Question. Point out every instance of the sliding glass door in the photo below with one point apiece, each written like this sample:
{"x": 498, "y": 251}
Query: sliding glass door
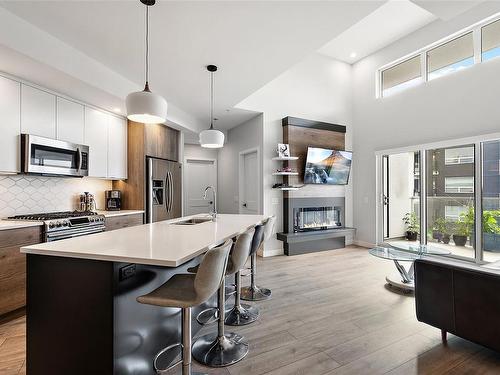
{"x": 450, "y": 199}
{"x": 491, "y": 201}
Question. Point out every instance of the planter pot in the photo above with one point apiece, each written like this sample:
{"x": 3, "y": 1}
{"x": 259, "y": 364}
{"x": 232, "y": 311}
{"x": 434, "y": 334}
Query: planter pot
{"x": 491, "y": 242}
{"x": 437, "y": 235}
{"x": 446, "y": 239}
{"x": 459, "y": 240}
{"x": 411, "y": 236}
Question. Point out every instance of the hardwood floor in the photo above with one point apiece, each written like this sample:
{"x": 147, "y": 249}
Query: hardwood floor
{"x": 330, "y": 314}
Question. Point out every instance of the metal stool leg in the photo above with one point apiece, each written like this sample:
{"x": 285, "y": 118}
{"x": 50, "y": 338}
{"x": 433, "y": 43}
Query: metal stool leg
{"x": 185, "y": 346}
{"x": 253, "y": 292}
{"x": 241, "y": 315}
{"x": 220, "y": 349}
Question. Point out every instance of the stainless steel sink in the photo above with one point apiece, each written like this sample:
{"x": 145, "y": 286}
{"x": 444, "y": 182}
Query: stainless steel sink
{"x": 193, "y": 221}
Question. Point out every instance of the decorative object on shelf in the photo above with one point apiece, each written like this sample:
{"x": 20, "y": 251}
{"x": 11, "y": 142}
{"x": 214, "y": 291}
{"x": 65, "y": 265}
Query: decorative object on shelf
{"x": 212, "y": 138}
{"x": 283, "y": 150}
{"x": 145, "y": 106}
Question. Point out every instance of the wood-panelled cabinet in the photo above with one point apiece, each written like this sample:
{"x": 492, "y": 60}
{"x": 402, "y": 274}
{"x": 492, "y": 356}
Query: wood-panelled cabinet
{"x": 10, "y": 120}
{"x": 161, "y": 142}
{"x": 123, "y": 221}
{"x": 13, "y": 266}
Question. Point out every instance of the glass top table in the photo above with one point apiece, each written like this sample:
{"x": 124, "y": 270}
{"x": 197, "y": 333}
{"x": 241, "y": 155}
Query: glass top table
{"x": 402, "y": 252}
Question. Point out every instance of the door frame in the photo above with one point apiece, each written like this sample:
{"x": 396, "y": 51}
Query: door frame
{"x": 241, "y": 174}
{"x": 185, "y": 183}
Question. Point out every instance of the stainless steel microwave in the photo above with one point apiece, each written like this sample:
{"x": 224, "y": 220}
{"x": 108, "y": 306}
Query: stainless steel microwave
{"x": 48, "y": 156}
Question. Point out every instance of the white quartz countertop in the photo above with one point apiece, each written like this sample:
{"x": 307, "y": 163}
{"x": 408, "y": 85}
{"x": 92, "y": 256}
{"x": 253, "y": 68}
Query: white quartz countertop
{"x": 16, "y": 224}
{"x": 163, "y": 243}
{"x": 119, "y": 213}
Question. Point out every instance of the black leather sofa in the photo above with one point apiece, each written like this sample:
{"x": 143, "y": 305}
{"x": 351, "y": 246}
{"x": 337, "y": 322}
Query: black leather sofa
{"x": 460, "y": 298}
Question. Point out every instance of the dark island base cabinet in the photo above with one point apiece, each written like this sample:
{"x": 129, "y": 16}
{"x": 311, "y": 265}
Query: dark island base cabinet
{"x": 13, "y": 266}
{"x": 83, "y": 317}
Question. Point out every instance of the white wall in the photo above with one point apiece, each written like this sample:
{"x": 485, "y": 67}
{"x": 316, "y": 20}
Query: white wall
{"x": 318, "y": 88}
{"x": 246, "y": 136}
{"x": 198, "y": 152}
{"x": 458, "y": 105}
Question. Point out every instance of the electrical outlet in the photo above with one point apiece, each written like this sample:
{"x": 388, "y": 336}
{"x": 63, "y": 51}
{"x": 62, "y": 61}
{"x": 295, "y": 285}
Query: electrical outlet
{"x": 127, "y": 272}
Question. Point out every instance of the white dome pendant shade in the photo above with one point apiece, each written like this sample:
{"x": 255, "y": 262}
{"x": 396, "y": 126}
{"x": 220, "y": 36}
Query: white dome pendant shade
{"x": 145, "y": 106}
{"x": 212, "y": 138}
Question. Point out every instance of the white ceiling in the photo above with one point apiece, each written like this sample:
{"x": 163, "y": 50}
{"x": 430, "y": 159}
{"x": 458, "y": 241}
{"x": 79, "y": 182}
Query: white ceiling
{"x": 388, "y": 23}
{"x": 251, "y": 42}
{"x": 101, "y": 43}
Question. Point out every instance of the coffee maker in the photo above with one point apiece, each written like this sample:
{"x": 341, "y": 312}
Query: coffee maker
{"x": 113, "y": 200}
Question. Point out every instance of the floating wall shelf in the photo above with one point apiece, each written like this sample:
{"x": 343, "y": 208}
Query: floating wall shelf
{"x": 285, "y": 158}
{"x": 285, "y": 174}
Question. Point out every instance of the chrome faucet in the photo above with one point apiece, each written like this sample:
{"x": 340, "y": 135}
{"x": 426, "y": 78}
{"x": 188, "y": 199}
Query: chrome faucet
{"x": 214, "y": 212}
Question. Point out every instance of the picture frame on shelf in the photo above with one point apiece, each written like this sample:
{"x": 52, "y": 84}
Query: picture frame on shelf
{"x": 283, "y": 150}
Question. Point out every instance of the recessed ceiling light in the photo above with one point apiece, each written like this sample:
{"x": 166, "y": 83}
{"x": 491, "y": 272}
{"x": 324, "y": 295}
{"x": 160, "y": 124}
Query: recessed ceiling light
{"x": 353, "y": 55}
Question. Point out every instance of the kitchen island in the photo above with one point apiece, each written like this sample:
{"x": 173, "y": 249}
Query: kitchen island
{"x": 82, "y": 314}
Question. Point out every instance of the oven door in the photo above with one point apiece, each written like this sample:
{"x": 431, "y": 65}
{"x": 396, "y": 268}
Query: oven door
{"x": 52, "y": 157}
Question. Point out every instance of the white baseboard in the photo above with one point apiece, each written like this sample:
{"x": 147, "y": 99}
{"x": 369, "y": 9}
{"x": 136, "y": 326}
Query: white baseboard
{"x": 271, "y": 253}
{"x": 364, "y": 244}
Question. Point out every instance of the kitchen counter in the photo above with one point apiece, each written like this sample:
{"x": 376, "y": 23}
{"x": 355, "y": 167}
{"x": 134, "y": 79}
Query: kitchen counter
{"x": 119, "y": 213}
{"x": 86, "y": 289}
{"x": 162, "y": 244}
{"x": 16, "y": 224}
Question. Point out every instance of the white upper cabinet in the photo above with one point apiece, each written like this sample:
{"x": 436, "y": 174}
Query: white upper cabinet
{"x": 96, "y": 137}
{"x": 70, "y": 121}
{"x": 38, "y": 112}
{"x": 117, "y": 147}
{"x": 10, "y": 123}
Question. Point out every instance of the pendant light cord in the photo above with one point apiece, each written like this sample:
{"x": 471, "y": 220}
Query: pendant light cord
{"x": 147, "y": 49}
{"x": 211, "y": 100}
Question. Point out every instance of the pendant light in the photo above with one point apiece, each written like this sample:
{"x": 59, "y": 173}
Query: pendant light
{"x": 212, "y": 138}
{"x": 145, "y": 106}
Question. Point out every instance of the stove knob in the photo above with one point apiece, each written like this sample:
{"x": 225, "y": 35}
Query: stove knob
{"x": 51, "y": 225}
{"x": 58, "y": 224}
{"x": 65, "y": 223}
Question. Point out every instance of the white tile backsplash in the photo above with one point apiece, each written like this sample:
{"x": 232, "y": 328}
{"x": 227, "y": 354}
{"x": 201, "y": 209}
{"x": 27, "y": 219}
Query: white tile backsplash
{"x": 21, "y": 195}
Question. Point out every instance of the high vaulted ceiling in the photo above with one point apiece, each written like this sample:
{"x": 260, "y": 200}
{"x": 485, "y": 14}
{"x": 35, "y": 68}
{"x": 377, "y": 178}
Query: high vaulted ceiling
{"x": 101, "y": 43}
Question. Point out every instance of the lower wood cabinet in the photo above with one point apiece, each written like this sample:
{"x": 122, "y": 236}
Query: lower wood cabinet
{"x": 123, "y": 221}
{"x": 13, "y": 266}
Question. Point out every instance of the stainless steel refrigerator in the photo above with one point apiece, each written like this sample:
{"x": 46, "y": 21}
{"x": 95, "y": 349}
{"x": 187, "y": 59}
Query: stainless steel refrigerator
{"x": 164, "y": 190}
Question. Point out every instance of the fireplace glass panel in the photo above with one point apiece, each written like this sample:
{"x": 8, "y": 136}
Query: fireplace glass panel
{"x": 316, "y": 218}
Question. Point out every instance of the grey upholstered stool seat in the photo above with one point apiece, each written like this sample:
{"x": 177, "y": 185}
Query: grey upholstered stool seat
{"x": 254, "y": 292}
{"x": 220, "y": 349}
{"x": 186, "y": 291}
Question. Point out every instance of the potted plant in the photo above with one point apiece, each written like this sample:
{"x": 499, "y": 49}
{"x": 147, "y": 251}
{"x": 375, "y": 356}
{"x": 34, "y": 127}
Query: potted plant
{"x": 491, "y": 230}
{"x": 412, "y": 226}
{"x": 438, "y": 229}
{"x": 463, "y": 227}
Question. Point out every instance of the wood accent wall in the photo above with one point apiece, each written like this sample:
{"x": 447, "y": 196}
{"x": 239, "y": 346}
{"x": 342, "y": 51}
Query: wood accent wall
{"x": 309, "y": 134}
{"x": 154, "y": 140}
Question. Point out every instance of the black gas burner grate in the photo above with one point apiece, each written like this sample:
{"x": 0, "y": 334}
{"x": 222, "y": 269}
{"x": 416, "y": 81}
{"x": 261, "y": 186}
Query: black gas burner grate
{"x": 53, "y": 215}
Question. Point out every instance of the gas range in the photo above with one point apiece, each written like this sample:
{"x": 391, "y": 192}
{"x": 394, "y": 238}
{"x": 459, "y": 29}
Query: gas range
{"x": 66, "y": 224}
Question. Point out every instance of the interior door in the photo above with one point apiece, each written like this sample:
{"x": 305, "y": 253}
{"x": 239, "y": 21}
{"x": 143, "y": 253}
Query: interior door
{"x": 385, "y": 192}
{"x": 199, "y": 173}
{"x": 250, "y": 184}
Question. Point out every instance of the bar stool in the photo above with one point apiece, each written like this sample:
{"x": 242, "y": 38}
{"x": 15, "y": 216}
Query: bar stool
{"x": 222, "y": 348}
{"x": 254, "y": 292}
{"x": 241, "y": 314}
{"x": 185, "y": 291}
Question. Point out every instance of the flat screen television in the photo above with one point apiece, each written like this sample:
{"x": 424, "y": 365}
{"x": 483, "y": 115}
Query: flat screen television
{"x": 330, "y": 167}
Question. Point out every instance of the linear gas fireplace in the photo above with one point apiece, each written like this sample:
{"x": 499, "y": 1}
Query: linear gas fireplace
{"x": 316, "y": 218}
{"x": 313, "y": 224}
